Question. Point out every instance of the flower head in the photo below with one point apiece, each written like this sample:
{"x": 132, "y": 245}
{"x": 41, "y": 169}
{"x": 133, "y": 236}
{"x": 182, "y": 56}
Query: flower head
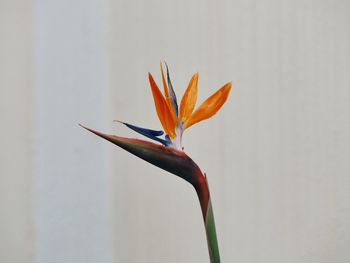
{"x": 175, "y": 120}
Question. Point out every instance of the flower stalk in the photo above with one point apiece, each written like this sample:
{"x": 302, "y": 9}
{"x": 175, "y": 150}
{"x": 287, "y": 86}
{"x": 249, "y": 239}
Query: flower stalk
{"x": 202, "y": 189}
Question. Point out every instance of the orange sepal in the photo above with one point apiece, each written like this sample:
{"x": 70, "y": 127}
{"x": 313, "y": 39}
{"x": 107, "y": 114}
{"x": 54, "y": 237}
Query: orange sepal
{"x": 189, "y": 99}
{"x": 166, "y": 90}
{"x": 166, "y": 93}
{"x": 210, "y": 106}
{"x": 164, "y": 114}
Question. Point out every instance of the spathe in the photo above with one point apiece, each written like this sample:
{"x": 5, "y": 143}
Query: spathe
{"x": 166, "y": 158}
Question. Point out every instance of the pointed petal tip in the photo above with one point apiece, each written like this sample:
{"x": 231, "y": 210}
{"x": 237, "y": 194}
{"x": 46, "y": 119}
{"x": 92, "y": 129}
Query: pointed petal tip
{"x": 84, "y": 127}
{"x": 166, "y": 65}
{"x": 195, "y": 76}
{"x": 119, "y": 121}
{"x": 150, "y": 75}
{"x": 93, "y": 131}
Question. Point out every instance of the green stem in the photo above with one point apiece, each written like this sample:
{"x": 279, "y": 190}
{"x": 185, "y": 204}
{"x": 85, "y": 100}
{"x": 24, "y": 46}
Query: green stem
{"x": 203, "y": 193}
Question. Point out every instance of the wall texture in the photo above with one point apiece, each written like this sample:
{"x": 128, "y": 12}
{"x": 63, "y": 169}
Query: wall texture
{"x": 72, "y": 170}
{"x": 17, "y": 147}
{"x": 277, "y": 154}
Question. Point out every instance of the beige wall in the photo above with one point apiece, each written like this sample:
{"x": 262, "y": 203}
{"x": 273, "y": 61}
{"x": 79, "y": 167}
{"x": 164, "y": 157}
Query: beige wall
{"x": 17, "y": 207}
{"x": 277, "y": 155}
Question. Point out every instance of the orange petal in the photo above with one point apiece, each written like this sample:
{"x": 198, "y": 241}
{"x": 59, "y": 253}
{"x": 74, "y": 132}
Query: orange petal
{"x": 166, "y": 92}
{"x": 210, "y": 106}
{"x": 189, "y": 99}
{"x": 164, "y": 114}
{"x": 165, "y": 85}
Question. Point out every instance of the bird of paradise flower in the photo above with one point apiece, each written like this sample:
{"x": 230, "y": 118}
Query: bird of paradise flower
{"x": 168, "y": 153}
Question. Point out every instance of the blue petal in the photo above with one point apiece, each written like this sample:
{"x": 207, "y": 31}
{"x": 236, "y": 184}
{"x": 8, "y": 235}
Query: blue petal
{"x": 144, "y": 131}
{"x": 172, "y": 92}
{"x": 152, "y": 134}
{"x": 167, "y": 138}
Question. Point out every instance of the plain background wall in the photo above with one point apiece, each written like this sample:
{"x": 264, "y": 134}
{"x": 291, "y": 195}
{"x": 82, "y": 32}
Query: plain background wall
{"x": 17, "y": 147}
{"x": 277, "y": 154}
{"x": 73, "y": 178}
